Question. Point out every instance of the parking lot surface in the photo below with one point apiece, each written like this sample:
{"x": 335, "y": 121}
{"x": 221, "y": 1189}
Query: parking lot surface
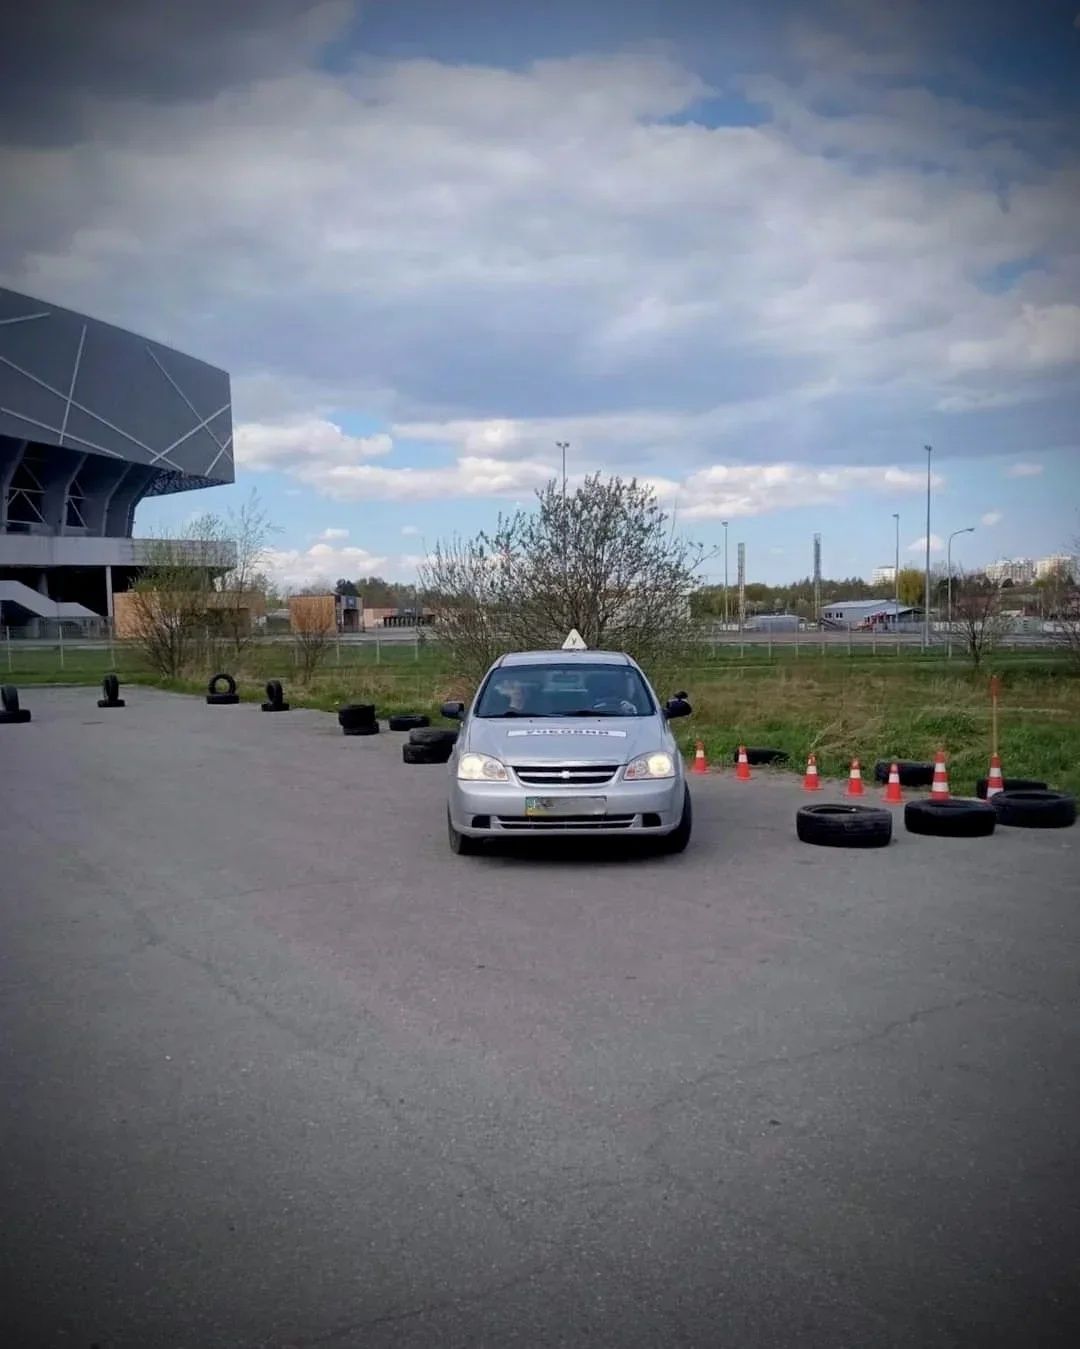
{"x": 280, "y": 1071}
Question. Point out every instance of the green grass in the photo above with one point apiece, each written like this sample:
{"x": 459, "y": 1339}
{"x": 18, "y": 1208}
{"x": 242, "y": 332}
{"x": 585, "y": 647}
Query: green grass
{"x": 836, "y": 705}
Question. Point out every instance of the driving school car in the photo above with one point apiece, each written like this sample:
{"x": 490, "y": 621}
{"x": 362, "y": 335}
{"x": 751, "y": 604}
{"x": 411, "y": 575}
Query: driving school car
{"x": 568, "y": 743}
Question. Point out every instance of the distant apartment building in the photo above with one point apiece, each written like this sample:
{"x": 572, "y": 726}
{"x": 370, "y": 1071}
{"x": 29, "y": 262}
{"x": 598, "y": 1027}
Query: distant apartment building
{"x": 1057, "y": 564}
{"x": 883, "y": 575}
{"x": 1018, "y": 570}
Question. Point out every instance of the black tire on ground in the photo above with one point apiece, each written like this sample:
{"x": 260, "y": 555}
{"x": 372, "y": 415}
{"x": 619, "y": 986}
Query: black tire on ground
{"x": 760, "y": 754}
{"x": 274, "y": 691}
{"x": 433, "y": 735}
{"x": 226, "y": 679}
{"x": 1034, "y": 809}
{"x": 9, "y": 698}
{"x": 408, "y": 721}
{"x": 275, "y": 707}
{"x": 842, "y": 826}
{"x": 356, "y": 714}
{"x": 676, "y": 841}
{"x": 366, "y": 728}
{"x": 110, "y": 687}
{"x": 1011, "y": 785}
{"x": 913, "y": 772}
{"x": 424, "y": 753}
{"x": 20, "y": 714}
{"x": 955, "y": 818}
{"x": 111, "y": 702}
{"x": 461, "y": 844}
{"x": 222, "y": 699}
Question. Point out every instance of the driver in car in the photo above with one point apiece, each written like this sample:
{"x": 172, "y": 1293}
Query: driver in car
{"x": 606, "y": 691}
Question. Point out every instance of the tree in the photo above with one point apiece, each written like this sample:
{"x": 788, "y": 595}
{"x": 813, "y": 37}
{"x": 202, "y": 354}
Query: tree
{"x": 248, "y": 530}
{"x": 344, "y": 587}
{"x": 977, "y": 615}
{"x": 912, "y": 586}
{"x": 1062, "y": 606}
{"x": 169, "y": 605}
{"x": 603, "y": 560}
{"x": 314, "y": 630}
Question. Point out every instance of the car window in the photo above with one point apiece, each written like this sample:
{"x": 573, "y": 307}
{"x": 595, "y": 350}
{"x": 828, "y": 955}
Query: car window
{"x": 564, "y": 690}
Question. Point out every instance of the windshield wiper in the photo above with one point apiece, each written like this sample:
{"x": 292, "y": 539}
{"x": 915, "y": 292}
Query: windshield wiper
{"x": 494, "y": 716}
{"x": 591, "y": 712}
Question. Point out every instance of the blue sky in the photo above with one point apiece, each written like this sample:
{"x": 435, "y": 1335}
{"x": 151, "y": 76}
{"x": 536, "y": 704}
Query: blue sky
{"x": 758, "y": 255}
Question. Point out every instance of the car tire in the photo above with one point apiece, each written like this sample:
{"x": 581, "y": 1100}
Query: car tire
{"x": 274, "y": 692}
{"x": 367, "y": 728}
{"x": 425, "y": 753}
{"x": 913, "y": 772}
{"x": 408, "y": 721}
{"x": 759, "y": 755}
{"x": 222, "y": 699}
{"x": 1034, "y": 809}
{"x": 111, "y": 702}
{"x": 226, "y": 679}
{"x": 461, "y": 844}
{"x": 1010, "y": 785}
{"x": 433, "y": 735}
{"x": 274, "y": 707}
{"x": 110, "y": 687}
{"x": 955, "y": 818}
{"x": 679, "y": 837}
{"x": 15, "y": 717}
{"x": 9, "y": 698}
{"x": 834, "y": 825}
{"x": 356, "y": 714}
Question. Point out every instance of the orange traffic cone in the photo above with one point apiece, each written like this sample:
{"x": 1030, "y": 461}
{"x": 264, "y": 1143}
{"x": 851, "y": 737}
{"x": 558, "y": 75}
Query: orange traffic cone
{"x": 854, "y": 785}
{"x": 995, "y": 782}
{"x": 939, "y": 788}
{"x": 811, "y": 782}
{"x": 700, "y": 764}
{"x": 742, "y": 772}
{"x": 893, "y": 795}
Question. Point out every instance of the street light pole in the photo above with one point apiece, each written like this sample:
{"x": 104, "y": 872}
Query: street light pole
{"x": 896, "y": 575}
{"x": 563, "y": 446}
{"x": 926, "y": 596}
{"x": 948, "y": 569}
{"x": 725, "y": 524}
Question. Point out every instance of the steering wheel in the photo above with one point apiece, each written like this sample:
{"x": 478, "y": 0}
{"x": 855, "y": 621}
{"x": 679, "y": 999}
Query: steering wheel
{"x": 619, "y": 705}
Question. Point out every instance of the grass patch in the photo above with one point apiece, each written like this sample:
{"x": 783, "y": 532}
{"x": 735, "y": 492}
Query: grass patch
{"x": 836, "y": 706}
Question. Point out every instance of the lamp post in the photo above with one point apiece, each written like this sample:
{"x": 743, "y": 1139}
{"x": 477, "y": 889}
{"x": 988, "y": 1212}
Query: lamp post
{"x": 563, "y": 446}
{"x": 948, "y": 569}
{"x": 926, "y": 596}
{"x": 896, "y": 575}
{"x": 725, "y": 524}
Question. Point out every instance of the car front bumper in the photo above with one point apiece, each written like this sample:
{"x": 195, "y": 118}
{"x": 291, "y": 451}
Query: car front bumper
{"x": 497, "y": 809}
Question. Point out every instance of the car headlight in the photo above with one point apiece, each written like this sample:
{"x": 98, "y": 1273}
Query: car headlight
{"x": 658, "y": 765}
{"x": 481, "y": 768}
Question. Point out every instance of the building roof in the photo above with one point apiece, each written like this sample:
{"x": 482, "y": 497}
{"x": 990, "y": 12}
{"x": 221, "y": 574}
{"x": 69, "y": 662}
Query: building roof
{"x": 871, "y": 606}
{"x": 73, "y": 383}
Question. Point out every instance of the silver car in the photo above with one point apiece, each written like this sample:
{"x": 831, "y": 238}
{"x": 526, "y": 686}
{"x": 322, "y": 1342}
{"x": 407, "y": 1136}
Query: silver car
{"x": 569, "y": 743}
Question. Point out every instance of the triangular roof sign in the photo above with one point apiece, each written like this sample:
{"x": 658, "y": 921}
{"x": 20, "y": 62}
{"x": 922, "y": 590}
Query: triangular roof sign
{"x": 574, "y": 641}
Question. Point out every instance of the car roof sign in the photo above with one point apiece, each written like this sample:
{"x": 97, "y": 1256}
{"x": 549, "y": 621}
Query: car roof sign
{"x": 574, "y": 641}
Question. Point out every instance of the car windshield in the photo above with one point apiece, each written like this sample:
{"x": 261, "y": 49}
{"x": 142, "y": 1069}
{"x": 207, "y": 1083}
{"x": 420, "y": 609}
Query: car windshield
{"x": 570, "y": 690}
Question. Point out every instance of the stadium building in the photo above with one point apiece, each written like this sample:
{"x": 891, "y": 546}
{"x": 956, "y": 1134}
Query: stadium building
{"x": 92, "y": 420}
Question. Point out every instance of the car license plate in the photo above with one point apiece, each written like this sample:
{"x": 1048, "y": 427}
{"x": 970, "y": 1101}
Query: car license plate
{"x": 551, "y": 807}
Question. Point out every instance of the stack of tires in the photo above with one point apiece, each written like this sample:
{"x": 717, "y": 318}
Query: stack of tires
{"x": 429, "y": 745}
{"x": 275, "y": 697}
{"x": 358, "y": 719}
{"x": 10, "y": 711}
{"x": 110, "y": 689}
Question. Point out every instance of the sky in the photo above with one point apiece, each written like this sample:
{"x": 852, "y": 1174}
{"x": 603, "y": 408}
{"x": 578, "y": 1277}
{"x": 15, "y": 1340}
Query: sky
{"x": 759, "y": 255}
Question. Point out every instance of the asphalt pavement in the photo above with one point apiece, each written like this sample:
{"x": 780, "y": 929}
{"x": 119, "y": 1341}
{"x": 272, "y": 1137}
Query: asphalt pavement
{"x": 279, "y": 1071}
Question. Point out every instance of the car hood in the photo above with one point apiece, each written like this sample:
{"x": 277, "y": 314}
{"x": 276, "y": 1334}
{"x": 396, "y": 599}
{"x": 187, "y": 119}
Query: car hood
{"x": 538, "y": 740}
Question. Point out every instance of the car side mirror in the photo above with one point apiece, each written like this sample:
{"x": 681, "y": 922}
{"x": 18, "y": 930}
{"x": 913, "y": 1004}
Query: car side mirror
{"x": 455, "y": 711}
{"x": 679, "y": 706}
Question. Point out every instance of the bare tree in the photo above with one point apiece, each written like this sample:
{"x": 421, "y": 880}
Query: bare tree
{"x": 977, "y": 615}
{"x": 1062, "y": 608}
{"x": 169, "y": 608}
{"x": 248, "y": 531}
{"x": 314, "y": 631}
{"x": 604, "y": 560}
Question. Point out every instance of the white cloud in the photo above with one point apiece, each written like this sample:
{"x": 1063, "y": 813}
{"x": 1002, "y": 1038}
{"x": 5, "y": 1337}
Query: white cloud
{"x": 919, "y": 545}
{"x": 1023, "y": 469}
{"x": 729, "y": 491}
{"x": 262, "y": 445}
{"x": 410, "y": 529}
{"x": 991, "y": 518}
{"x": 323, "y": 563}
{"x": 330, "y": 535}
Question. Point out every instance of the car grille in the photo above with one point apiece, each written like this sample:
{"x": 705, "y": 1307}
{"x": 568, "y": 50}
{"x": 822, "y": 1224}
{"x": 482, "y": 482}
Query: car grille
{"x": 565, "y": 775}
{"x": 554, "y": 824}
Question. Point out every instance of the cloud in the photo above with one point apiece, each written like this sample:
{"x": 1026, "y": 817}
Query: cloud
{"x": 419, "y": 239}
{"x": 991, "y": 518}
{"x": 323, "y": 563}
{"x": 1023, "y": 469}
{"x": 330, "y": 535}
{"x": 729, "y": 491}
{"x": 315, "y": 441}
{"x": 919, "y": 545}
{"x": 410, "y": 529}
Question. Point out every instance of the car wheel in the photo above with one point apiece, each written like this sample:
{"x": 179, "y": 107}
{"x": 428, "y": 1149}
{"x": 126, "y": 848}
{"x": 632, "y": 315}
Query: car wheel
{"x": 460, "y": 843}
{"x": 679, "y": 837}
